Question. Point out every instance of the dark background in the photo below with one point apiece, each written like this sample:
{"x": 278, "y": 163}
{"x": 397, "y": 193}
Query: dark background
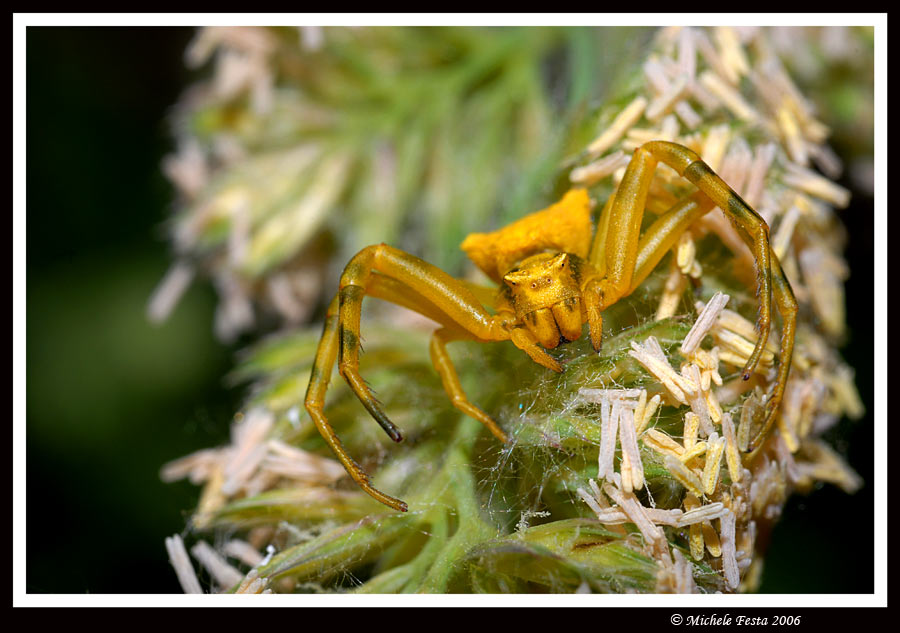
{"x": 111, "y": 398}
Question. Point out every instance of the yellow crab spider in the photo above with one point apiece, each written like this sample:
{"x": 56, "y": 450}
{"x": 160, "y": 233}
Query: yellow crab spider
{"x": 553, "y": 278}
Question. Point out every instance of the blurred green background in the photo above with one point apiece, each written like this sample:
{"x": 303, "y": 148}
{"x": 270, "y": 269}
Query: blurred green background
{"x": 110, "y": 398}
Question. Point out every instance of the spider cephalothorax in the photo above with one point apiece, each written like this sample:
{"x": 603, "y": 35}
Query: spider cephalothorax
{"x": 545, "y": 293}
{"x": 553, "y": 277}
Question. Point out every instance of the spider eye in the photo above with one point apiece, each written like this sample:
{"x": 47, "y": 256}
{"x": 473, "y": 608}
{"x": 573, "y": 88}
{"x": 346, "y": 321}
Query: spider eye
{"x": 533, "y": 285}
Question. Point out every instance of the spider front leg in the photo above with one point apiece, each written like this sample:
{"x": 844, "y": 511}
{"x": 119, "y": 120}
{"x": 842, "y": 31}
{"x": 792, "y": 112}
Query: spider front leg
{"x": 651, "y": 248}
{"x": 626, "y": 258}
{"x": 752, "y": 228}
{"x": 326, "y": 355}
{"x": 755, "y": 232}
{"x": 615, "y": 247}
{"x": 787, "y": 306}
{"x": 427, "y": 281}
{"x": 404, "y": 279}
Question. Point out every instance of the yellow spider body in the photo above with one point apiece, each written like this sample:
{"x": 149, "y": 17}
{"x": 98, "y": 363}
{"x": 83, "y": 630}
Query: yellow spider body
{"x": 553, "y": 277}
{"x": 545, "y": 292}
{"x": 539, "y": 261}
